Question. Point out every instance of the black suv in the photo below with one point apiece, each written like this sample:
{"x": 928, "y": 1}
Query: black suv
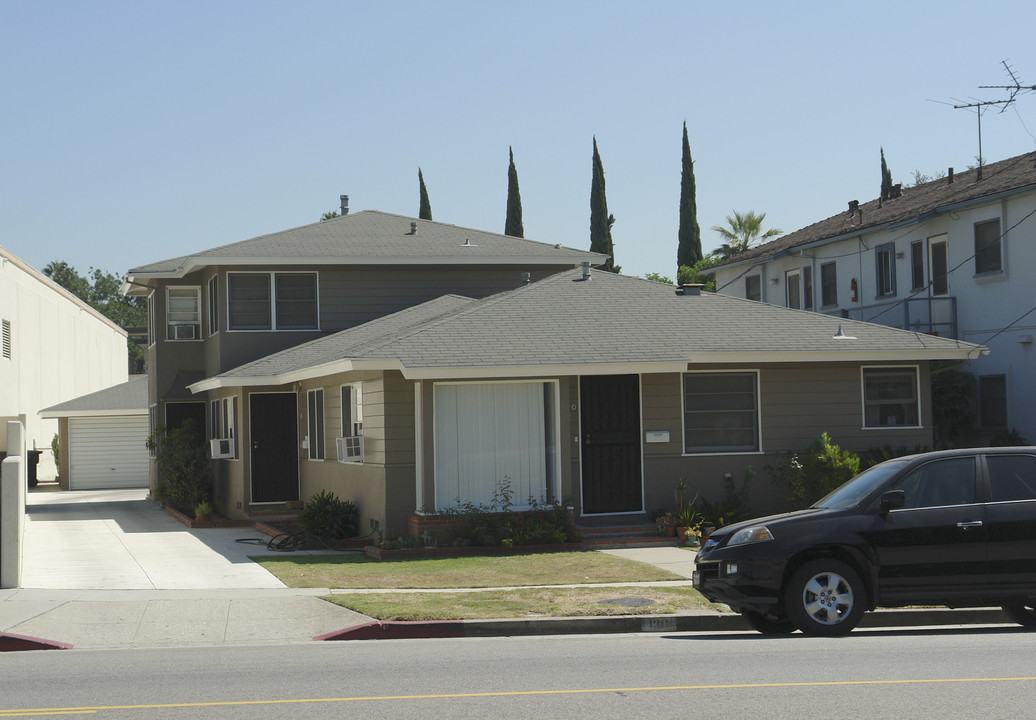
{"x": 954, "y": 528}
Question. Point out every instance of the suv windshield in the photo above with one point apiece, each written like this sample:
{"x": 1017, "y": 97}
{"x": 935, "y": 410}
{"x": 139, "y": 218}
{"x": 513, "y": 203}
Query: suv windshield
{"x": 853, "y": 492}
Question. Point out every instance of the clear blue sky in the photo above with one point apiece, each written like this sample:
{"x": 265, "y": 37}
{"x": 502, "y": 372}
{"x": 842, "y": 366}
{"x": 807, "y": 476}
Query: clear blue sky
{"x": 135, "y": 131}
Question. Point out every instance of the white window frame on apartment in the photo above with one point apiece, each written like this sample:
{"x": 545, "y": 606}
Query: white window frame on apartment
{"x": 350, "y": 444}
{"x": 793, "y": 289}
{"x": 702, "y": 450}
{"x": 866, "y": 403}
{"x": 489, "y": 432}
{"x": 270, "y": 302}
{"x": 183, "y": 318}
{"x": 315, "y": 423}
{"x": 885, "y": 270}
{"x": 213, "y": 289}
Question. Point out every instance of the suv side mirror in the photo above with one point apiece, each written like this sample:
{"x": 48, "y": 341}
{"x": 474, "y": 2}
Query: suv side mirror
{"x": 892, "y": 499}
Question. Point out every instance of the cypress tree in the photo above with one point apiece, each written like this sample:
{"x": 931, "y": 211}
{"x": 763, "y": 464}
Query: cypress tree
{"x": 513, "y": 223}
{"x": 688, "y": 250}
{"x": 886, "y": 178}
{"x": 425, "y": 212}
{"x": 600, "y": 221}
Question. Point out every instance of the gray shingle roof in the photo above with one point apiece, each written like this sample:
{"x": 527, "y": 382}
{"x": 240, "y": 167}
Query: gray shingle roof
{"x": 608, "y": 321}
{"x": 1015, "y": 174}
{"x": 128, "y": 398}
{"x": 369, "y": 237}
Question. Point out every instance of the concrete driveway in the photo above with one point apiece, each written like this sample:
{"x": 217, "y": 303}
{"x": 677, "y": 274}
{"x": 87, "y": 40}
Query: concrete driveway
{"x": 118, "y": 540}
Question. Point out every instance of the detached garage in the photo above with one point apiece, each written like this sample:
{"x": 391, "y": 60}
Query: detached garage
{"x": 102, "y": 438}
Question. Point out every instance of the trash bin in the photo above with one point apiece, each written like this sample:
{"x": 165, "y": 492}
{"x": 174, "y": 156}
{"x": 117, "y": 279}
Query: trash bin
{"x": 30, "y": 469}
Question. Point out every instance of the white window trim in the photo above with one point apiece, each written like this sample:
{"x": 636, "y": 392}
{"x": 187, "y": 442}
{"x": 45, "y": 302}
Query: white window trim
{"x": 758, "y": 412}
{"x": 888, "y": 248}
{"x": 355, "y": 390}
{"x": 863, "y": 397}
{"x": 1001, "y": 243}
{"x": 519, "y": 504}
{"x": 196, "y": 322}
{"x": 273, "y": 300}
{"x": 316, "y": 436}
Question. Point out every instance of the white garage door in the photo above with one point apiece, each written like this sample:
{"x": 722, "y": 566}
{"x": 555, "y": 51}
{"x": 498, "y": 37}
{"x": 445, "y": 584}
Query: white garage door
{"x": 107, "y": 452}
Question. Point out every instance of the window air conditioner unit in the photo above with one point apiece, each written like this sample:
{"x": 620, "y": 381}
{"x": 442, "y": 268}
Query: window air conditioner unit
{"x": 350, "y": 449}
{"x": 222, "y": 448}
{"x": 185, "y": 332}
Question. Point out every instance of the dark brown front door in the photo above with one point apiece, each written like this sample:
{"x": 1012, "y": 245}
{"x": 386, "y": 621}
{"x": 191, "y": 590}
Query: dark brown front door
{"x": 275, "y": 455}
{"x": 610, "y": 424}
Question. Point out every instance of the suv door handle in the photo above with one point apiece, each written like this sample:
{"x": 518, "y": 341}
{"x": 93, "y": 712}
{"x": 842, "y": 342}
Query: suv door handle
{"x": 969, "y": 524}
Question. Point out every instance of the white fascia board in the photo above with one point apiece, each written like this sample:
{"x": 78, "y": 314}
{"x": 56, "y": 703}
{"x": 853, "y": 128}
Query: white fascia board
{"x": 287, "y": 378}
{"x": 832, "y": 356}
{"x": 51, "y": 414}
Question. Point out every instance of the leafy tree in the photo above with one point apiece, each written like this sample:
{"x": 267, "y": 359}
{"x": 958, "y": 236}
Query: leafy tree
{"x": 688, "y": 251}
{"x": 886, "y": 178}
{"x": 329, "y": 215}
{"x": 743, "y": 230}
{"x": 513, "y": 223}
{"x": 425, "y": 212}
{"x": 600, "y": 220}
{"x": 658, "y": 277}
{"x": 698, "y": 274}
{"x": 100, "y": 290}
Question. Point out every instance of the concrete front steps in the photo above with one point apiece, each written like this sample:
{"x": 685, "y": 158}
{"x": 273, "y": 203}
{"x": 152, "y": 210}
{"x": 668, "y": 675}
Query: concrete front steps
{"x": 613, "y": 537}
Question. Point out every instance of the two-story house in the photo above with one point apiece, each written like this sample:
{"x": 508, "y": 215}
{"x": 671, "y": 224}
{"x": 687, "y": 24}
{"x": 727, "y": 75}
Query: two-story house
{"x": 949, "y": 257}
{"x": 217, "y": 309}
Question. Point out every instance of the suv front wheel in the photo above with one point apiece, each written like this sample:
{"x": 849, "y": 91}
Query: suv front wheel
{"x": 825, "y": 597}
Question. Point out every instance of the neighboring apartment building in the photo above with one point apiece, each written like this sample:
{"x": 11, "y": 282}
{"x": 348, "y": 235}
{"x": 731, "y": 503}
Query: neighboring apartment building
{"x": 218, "y": 309}
{"x": 950, "y": 258}
{"x": 55, "y": 347}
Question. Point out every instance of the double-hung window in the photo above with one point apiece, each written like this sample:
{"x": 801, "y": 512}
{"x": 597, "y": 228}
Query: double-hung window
{"x": 828, "y": 285}
{"x": 272, "y": 301}
{"x": 752, "y": 288}
{"x": 987, "y": 247}
{"x": 183, "y": 313}
{"x": 350, "y": 444}
{"x": 891, "y": 397}
{"x": 885, "y": 269}
{"x": 721, "y": 412}
{"x": 315, "y": 404}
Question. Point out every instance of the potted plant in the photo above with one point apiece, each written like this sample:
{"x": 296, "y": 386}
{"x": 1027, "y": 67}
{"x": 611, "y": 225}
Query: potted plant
{"x": 202, "y": 512}
{"x": 666, "y": 524}
{"x": 688, "y": 520}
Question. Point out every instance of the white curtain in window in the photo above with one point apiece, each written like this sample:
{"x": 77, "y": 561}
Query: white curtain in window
{"x": 485, "y": 434}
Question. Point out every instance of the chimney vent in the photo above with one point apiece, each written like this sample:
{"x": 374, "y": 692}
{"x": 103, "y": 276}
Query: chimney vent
{"x": 586, "y": 269}
{"x": 690, "y": 289}
{"x": 854, "y": 205}
{"x": 413, "y": 228}
{"x": 949, "y": 177}
{"x": 345, "y": 205}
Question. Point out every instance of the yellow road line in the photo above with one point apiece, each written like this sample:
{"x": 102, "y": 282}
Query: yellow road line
{"x": 507, "y": 693}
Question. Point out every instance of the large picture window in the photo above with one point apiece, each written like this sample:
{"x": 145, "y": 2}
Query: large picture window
{"x": 490, "y": 434}
{"x": 890, "y": 397}
{"x": 721, "y": 412}
{"x": 272, "y": 301}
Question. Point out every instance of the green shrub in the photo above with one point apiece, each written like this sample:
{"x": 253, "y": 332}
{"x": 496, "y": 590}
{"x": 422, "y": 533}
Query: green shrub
{"x": 183, "y": 465}
{"x": 55, "y": 447}
{"x": 803, "y": 478}
{"x": 734, "y": 506}
{"x": 326, "y": 516}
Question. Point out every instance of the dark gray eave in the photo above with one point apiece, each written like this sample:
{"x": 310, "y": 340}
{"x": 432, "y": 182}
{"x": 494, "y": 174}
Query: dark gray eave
{"x": 128, "y": 398}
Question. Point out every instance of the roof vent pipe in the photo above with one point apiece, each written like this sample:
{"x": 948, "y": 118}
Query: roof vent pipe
{"x": 586, "y": 269}
{"x": 413, "y": 228}
{"x": 345, "y": 205}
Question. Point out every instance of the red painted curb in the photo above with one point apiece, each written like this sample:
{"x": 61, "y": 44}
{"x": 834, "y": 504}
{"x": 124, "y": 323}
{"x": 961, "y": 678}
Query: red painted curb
{"x": 10, "y": 642}
{"x": 401, "y": 630}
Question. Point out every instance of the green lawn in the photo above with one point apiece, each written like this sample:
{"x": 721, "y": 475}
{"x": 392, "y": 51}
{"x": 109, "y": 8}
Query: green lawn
{"x": 357, "y": 572}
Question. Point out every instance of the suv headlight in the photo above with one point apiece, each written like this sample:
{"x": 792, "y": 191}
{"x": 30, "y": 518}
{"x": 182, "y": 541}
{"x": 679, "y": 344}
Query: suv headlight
{"x": 756, "y": 533}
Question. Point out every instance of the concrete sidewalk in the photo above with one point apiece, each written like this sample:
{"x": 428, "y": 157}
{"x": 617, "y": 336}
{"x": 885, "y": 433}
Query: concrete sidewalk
{"x": 109, "y": 569}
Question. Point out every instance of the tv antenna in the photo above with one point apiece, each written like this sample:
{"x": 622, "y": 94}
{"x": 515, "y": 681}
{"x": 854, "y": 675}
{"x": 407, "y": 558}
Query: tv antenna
{"x": 1015, "y": 89}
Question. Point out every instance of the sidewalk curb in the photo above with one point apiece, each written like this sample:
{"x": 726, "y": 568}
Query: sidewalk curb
{"x": 410, "y": 630}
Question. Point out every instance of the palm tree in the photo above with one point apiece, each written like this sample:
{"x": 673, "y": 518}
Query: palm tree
{"x": 745, "y": 229}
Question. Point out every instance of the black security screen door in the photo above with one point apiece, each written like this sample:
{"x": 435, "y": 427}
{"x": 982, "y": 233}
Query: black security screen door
{"x": 610, "y": 424}
{"x": 274, "y": 436}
